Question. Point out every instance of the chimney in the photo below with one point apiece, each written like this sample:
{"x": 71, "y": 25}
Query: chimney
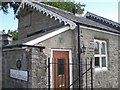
{"x": 8, "y": 31}
{"x": 3, "y": 32}
{"x": 74, "y": 10}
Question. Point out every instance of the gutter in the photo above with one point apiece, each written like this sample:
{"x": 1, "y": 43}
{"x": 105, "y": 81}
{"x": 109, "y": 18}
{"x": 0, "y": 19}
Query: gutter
{"x": 117, "y": 32}
{"x": 79, "y": 55}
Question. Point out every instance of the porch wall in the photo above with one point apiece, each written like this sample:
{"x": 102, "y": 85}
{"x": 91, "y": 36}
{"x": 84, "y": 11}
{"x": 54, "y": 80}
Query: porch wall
{"x": 32, "y": 60}
{"x": 64, "y": 41}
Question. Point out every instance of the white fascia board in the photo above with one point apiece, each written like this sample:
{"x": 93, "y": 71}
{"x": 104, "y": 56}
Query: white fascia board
{"x": 94, "y": 29}
{"x": 47, "y": 36}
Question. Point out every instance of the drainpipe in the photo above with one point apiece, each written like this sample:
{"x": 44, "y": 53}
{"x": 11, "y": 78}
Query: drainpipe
{"x": 79, "y": 55}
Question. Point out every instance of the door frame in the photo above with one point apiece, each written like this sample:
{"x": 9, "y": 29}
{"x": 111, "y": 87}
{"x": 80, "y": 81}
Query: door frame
{"x": 70, "y": 66}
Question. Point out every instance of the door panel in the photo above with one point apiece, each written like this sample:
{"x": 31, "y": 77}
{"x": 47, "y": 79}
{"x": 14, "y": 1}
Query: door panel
{"x": 60, "y": 69}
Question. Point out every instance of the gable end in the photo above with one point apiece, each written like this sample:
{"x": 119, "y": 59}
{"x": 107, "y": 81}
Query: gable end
{"x": 37, "y": 6}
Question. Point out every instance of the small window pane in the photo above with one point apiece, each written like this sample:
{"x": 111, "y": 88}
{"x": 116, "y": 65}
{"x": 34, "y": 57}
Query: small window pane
{"x": 103, "y": 48}
{"x": 96, "y": 47}
{"x": 103, "y": 61}
{"x": 97, "y": 62}
{"x": 61, "y": 66}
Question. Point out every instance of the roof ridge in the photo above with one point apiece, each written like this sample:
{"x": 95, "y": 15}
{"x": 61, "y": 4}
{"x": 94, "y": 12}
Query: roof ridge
{"x": 55, "y": 7}
{"x": 102, "y": 20}
{"x": 108, "y": 20}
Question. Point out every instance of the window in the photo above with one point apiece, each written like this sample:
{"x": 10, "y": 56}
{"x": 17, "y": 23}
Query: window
{"x": 100, "y": 53}
{"x": 61, "y": 66}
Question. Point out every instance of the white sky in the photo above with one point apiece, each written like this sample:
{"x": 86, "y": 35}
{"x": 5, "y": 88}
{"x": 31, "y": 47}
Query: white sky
{"x": 104, "y": 8}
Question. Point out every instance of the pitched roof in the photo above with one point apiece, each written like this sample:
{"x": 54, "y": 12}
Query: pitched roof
{"x": 41, "y": 36}
{"x": 70, "y": 19}
{"x": 82, "y": 20}
{"x": 102, "y": 20}
{"x": 67, "y": 17}
{"x": 41, "y": 8}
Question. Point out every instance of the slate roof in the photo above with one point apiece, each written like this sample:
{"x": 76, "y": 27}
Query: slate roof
{"x": 34, "y": 36}
{"x": 102, "y": 24}
{"x": 89, "y": 20}
{"x": 102, "y": 20}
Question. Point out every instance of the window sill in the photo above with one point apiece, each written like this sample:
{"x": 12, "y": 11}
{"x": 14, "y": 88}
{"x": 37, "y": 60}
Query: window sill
{"x": 101, "y": 69}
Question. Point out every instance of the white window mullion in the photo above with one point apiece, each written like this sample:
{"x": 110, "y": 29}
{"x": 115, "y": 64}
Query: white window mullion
{"x": 106, "y": 55}
{"x": 100, "y": 62}
{"x": 100, "y": 54}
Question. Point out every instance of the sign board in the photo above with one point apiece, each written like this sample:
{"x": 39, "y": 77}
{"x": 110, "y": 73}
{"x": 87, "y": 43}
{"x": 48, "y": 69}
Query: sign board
{"x": 19, "y": 74}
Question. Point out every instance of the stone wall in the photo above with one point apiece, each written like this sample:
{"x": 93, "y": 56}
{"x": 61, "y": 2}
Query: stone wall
{"x": 38, "y": 69}
{"x": 119, "y": 62}
{"x": 102, "y": 78}
{"x": 0, "y": 67}
{"x": 32, "y": 60}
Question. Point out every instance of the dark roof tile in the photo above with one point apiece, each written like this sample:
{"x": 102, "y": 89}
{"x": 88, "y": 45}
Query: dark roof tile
{"x": 95, "y": 21}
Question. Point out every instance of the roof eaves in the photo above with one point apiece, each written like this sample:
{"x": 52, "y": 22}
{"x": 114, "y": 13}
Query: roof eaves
{"x": 102, "y": 20}
{"x": 117, "y": 32}
{"x": 43, "y": 10}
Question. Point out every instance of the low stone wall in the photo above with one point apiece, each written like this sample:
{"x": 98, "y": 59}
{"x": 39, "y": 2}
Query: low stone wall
{"x": 38, "y": 69}
{"x": 32, "y": 61}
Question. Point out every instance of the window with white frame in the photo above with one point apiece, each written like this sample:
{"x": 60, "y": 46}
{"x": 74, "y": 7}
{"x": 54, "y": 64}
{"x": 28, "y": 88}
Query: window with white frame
{"x": 100, "y": 53}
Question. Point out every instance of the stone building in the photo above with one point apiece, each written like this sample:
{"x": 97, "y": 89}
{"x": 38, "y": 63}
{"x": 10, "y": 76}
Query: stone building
{"x": 69, "y": 42}
{"x": 5, "y": 39}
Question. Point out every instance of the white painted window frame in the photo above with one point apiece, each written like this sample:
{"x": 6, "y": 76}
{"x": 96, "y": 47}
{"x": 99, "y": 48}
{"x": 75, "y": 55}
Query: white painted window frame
{"x": 70, "y": 66}
{"x": 101, "y": 55}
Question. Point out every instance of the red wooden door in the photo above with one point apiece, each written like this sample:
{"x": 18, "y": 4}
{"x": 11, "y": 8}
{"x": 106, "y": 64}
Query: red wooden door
{"x": 60, "y": 69}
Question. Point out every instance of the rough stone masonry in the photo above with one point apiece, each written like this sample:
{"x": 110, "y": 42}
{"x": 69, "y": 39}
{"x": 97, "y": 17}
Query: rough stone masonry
{"x": 32, "y": 60}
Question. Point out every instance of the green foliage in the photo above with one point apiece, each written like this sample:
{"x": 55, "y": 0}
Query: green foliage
{"x": 14, "y": 34}
{"x": 68, "y": 6}
{"x": 5, "y": 5}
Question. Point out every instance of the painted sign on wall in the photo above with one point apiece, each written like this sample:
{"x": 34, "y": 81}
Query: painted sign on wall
{"x": 19, "y": 74}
